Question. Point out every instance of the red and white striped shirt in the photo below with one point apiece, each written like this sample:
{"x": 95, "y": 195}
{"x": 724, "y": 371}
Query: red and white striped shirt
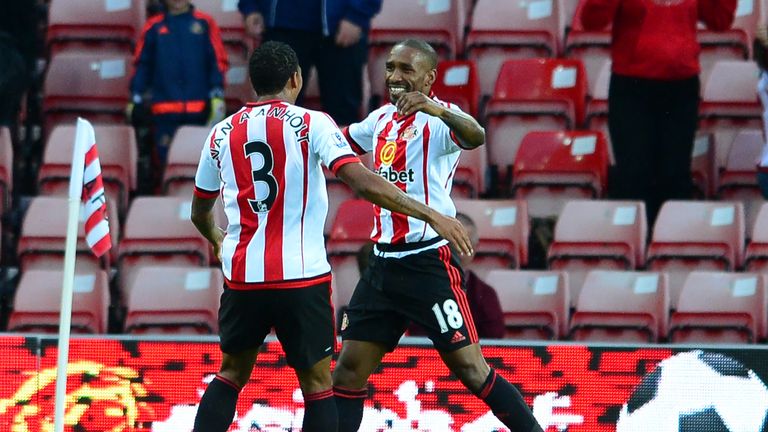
{"x": 418, "y": 154}
{"x": 265, "y": 161}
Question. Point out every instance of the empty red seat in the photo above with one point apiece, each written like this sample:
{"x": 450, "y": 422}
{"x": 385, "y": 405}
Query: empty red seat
{"x": 552, "y": 99}
{"x": 704, "y": 165}
{"x": 158, "y": 232}
{"x": 183, "y": 157}
{"x": 37, "y": 303}
{"x": 734, "y": 43}
{"x": 469, "y": 177}
{"x": 501, "y": 30}
{"x": 457, "y": 83}
{"x": 43, "y": 235}
{"x": 93, "y": 85}
{"x": 696, "y": 235}
{"x": 535, "y": 303}
{"x": 554, "y": 167}
{"x": 756, "y": 253}
{"x": 503, "y": 228}
{"x": 6, "y": 169}
{"x": 441, "y": 23}
{"x": 238, "y": 90}
{"x": 118, "y": 156}
{"x": 598, "y": 234}
{"x": 720, "y": 308}
{"x": 593, "y": 48}
{"x": 96, "y": 23}
{"x": 230, "y": 23}
{"x": 174, "y": 299}
{"x": 738, "y": 180}
{"x": 621, "y": 307}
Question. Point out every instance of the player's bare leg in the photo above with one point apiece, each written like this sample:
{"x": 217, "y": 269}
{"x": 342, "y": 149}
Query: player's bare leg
{"x": 506, "y": 402}
{"x": 319, "y": 405}
{"x": 356, "y": 363}
{"x": 217, "y": 407}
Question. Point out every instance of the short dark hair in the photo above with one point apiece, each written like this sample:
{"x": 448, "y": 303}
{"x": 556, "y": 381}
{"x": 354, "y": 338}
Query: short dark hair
{"x": 424, "y": 48}
{"x": 271, "y": 66}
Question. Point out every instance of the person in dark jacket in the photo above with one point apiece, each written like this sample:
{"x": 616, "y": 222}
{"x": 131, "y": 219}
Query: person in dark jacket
{"x": 181, "y": 60}
{"x": 653, "y": 98}
{"x": 331, "y": 35}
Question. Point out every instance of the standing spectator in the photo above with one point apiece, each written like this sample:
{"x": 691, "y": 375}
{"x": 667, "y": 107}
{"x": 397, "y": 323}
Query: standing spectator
{"x": 331, "y": 35}
{"x": 181, "y": 60}
{"x": 18, "y": 40}
{"x": 653, "y": 99}
{"x": 760, "y": 49}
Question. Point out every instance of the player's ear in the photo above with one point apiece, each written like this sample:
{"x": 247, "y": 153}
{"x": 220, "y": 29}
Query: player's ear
{"x": 430, "y": 78}
{"x": 296, "y": 82}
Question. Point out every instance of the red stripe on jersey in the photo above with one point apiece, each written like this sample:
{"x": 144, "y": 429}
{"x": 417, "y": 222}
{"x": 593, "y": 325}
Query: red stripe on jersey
{"x": 400, "y": 226}
{"x": 461, "y": 297}
{"x": 381, "y": 142}
{"x": 425, "y": 171}
{"x": 305, "y": 162}
{"x": 273, "y": 243}
{"x": 249, "y": 221}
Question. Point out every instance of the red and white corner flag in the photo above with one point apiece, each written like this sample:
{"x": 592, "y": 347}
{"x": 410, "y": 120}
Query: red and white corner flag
{"x": 93, "y": 198}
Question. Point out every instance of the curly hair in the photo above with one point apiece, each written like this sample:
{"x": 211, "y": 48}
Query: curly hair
{"x": 271, "y": 66}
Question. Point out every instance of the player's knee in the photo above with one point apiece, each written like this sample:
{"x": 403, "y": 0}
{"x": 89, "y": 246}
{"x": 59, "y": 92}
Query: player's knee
{"x": 234, "y": 371}
{"x": 471, "y": 373}
{"x": 349, "y": 374}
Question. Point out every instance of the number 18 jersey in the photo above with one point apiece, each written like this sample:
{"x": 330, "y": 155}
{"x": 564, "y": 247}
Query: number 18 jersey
{"x": 265, "y": 163}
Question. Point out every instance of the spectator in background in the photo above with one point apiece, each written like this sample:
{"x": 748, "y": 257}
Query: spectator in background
{"x": 18, "y": 44}
{"x": 331, "y": 35}
{"x": 760, "y": 50}
{"x": 653, "y": 99}
{"x": 181, "y": 61}
{"x": 483, "y": 301}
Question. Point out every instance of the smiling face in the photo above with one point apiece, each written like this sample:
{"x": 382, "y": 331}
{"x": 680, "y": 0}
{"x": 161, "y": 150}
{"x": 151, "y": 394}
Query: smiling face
{"x": 408, "y": 69}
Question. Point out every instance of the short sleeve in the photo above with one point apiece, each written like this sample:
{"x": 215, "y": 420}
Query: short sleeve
{"x": 360, "y": 135}
{"x": 328, "y": 143}
{"x": 446, "y": 136}
{"x": 207, "y": 179}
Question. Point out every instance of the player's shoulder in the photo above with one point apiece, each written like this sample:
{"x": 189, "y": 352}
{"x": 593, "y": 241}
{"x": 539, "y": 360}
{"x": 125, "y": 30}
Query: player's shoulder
{"x": 449, "y": 105}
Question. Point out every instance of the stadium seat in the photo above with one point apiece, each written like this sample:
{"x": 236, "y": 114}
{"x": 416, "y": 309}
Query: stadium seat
{"x": 94, "y": 24}
{"x": 93, "y": 85}
{"x": 158, "y": 232}
{"x": 596, "y": 115}
{"x": 720, "y": 308}
{"x": 704, "y": 167}
{"x": 732, "y": 44}
{"x": 43, "y": 236}
{"x": 553, "y": 99}
{"x": 593, "y": 48}
{"x": 622, "y": 307}
{"x": 238, "y": 90}
{"x": 756, "y": 253}
{"x": 441, "y": 23}
{"x": 6, "y": 169}
{"x": 338, "y": 193}
{"x": 535, "y": 303}
{"x": 598, "y": 235}
{"x": 457, "y": 83}
{"x": 469, "y": 177}
{"x": 501, "y": 30}
{"x": 738, "y": 180}
{"x": 183, "y": 158}
{"x": 503, "y": 228}
{"x": 230, "y": 23}
{"x": 37, "y": 303}
{"x": 554, "y": 167}
{"x": 696, "y": 235}
{"x": 173, "y": 299}
{"x": 118, "y": 157}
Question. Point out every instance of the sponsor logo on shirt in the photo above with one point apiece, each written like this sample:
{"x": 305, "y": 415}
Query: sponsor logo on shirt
{"x": 387, "y": 153}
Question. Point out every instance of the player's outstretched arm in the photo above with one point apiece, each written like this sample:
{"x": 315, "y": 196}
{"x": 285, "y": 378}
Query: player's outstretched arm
{"x": 380, "y": 192}
{"x": 202, "y": 218}
{"x": 467, "y": 130}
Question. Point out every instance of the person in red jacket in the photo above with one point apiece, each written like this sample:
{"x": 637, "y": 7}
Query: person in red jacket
{"x": 653, "y": 99}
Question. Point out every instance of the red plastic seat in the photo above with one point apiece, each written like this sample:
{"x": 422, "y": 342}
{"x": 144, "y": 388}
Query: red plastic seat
{"x": 593, "y": 48}
{"x": 457, "y": 83}
{"x": 621, "y": 307}
{"x": 554, "y": 167}
{"x": 503, "y": 228}
{"x": 183, "y": 157}
{"x": 230, "y": 23}
{"x": 756, "y": 253}
{"x": 118, "y": 156}
{"x": 598, "y": 234}
{"x": 94, "y": 23}
{"x": 696, "y": 235}
{"x": 173, "y": 299}
{"x": 93, "y": 85}
{"x": 734, "y": 43}
{"x": 441, "y": 23}
{"x": 535, "y": 303}
{"x": 37, "y": 303}
{"x": 552, "y": 99}
{"x": 43, "y": 235}
{"x": 238, "y": 90}
{"x": 720, "y": 308}
{"x": 469, "y": 177}
{"x": 6, "y": 169}
{"x": 158, "y": 232}
{"x": 738, "y": 180}
{"x": 501, "y": 30}
{"x": 704, "y": 165}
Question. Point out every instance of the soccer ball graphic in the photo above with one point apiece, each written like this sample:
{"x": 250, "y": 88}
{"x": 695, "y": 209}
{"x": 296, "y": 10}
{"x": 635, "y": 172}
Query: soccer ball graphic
{"x": 697, "y": 391}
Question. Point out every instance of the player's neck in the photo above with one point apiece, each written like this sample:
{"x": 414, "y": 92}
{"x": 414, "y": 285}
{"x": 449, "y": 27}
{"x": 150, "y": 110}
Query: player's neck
{"x": 282, "y": 96}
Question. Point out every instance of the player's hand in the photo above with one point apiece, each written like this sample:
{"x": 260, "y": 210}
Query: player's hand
{"x": 412, "y": 102}
{"x": 254, "y": 24}
{"x": 452, "y": 230}
{"x": 218, "y": 108}
{"x": 220, "y": 233}
{"x": 348, "y": 33}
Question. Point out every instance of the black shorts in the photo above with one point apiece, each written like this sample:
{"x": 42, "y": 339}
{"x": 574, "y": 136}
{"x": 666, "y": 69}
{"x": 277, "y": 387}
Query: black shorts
{"x": 302, "y": 319}
{"x": 426, "y": 288}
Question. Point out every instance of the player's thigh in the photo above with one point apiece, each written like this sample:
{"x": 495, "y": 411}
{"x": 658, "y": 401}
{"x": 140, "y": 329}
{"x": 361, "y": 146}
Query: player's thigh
{"x": 304, "y": 325}
{"x": 245, "y": 319}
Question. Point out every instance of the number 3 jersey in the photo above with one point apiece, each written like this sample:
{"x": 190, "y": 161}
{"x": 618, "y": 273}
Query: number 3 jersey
{"x": 265, "y": 162}
{"x": 418, "y": 154}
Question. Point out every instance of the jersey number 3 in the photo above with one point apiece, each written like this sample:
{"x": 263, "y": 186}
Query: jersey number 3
{"x": 264, "y": 183}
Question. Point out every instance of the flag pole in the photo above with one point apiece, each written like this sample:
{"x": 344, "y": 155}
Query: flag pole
{"x": 65, "y": 320}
